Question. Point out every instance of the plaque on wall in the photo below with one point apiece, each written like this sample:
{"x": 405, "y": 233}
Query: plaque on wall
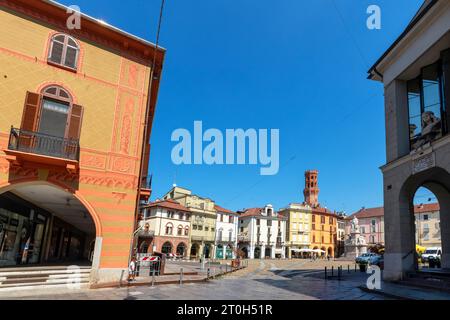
{"x": 423, "y": 163}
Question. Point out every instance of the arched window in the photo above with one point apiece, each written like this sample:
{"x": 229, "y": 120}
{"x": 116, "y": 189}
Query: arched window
{"x": 169, "y": 228}
{"x": 64, "y": 51}
{"x": 186, "y": 231}
{"x": 59, "y": 117}
{"x": 180, "y": 230}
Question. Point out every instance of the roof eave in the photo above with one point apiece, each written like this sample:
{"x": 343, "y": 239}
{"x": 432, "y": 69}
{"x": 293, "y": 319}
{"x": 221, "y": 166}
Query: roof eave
{"x": 373, "y": 74}
{"x": 108, "y": 26}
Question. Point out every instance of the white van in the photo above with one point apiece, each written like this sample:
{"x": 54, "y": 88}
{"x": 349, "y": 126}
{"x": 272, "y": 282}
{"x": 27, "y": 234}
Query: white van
{"x": 434, "y": 252}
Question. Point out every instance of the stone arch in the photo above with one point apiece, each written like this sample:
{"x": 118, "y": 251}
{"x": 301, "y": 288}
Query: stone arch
{"x": 55, "y": 184}
{"x": 400, "y": 221}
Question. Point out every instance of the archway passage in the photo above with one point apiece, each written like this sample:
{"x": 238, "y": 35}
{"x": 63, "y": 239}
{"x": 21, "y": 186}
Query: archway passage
{"x": 401, "y": 256}
{"x": 166, "y": 247}
{"x": 330, "y": 252}
{"x": 43, "y": 224}
{"x": 194, "y": 250}
{"x": 181, "y": 249}
{"x": 257, "y": 254}
{"x": 245, "y": 251}
{"x": 219, "y": 252}
{"x": 268, "y": 252}
{"x": 207, "y": 251}
{"x": 427, "y": 230}
{"x": 229, "y": 252}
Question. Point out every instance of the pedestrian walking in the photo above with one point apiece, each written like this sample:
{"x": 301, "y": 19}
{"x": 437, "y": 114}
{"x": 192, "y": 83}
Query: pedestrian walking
{"x": 132, "y": 270}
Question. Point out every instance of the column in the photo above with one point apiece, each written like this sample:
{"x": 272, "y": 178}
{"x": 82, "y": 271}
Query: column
{"x": 400, "y": 239}
{"x": 263, "y": 251}
{"x": 251, "y": 252}
{"x": 272, "y": 252}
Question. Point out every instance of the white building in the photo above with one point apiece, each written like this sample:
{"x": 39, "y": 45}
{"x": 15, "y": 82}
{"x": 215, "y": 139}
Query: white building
{"x": 262, "y": 233}
{"x": 166, "y": 228}
{"x": 226, "y": 233}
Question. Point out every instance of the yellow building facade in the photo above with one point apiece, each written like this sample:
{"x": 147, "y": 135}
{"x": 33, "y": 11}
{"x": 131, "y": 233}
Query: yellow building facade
{"x": 298, "y": 229}
{"x": 323, "y": 231}
{"x": 203, "y": 222}
{"x": 72, "y": 105}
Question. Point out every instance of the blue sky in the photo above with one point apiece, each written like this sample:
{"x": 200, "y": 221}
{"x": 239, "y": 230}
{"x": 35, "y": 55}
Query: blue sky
{"x": 295, "y": 65}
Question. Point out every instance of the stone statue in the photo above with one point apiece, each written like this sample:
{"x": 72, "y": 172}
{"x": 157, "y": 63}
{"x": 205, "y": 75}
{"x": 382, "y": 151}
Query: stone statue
{"x": 355, "y": 225}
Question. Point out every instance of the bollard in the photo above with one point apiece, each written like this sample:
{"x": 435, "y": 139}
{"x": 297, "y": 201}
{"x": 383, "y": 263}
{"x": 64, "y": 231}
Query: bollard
{"x": 348, "y": 268}
{"x": 326, "y": 273}
{"x": 221, "y": 271}
{"x": 121, "y": 277}
{"x": 355, "y": 267}
{"x": 153, "y": 277}
{"x": 339, "y": 273}
{"x": 332, "y": 271}
{"x": 208, "y": 273}
{"x": 181, "y": 276}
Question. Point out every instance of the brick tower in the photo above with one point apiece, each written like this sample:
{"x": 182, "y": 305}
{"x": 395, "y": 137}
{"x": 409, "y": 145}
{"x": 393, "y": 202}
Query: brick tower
{"x": 311, "y": 191}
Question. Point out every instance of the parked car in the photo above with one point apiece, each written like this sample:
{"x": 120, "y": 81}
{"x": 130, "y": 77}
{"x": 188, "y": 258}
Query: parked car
{"x": 378, "y": 261}
{"x": 367, "y": 258}
{"x": 434, "y": 253}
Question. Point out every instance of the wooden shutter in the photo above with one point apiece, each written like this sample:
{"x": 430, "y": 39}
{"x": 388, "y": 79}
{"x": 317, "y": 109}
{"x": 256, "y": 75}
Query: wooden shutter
{"x": 75, "y": 120}
{"x": 30, "y": 116}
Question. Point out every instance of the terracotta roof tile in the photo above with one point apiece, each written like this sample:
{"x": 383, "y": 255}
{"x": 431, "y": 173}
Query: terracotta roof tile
{"x": 221, "y": 209}
{"x": 379, "y": 211}
{"x": 169, "y": 204}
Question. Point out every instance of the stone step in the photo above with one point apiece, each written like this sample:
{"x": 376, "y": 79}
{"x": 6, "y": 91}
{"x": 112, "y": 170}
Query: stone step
{"x": 436, "y": 284}
{"x": 36, "y": 272}
{"x": 50, "y": 279}
{"x": 49, "y": 286}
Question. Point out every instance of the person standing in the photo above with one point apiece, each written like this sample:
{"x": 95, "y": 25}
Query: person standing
{"x": 132, "y": 270}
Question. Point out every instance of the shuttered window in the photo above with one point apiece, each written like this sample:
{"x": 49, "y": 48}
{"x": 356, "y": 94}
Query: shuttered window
{"x": 31, "y": 111}
{"x": 52, "y": 113}
{"x": 64, "y": 51}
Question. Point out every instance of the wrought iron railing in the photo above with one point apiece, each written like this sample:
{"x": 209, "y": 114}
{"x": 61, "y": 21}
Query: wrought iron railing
{"x": 43, "y": 144}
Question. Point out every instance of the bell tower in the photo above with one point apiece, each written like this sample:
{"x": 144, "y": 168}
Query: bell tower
{"x": 311, "y": 191}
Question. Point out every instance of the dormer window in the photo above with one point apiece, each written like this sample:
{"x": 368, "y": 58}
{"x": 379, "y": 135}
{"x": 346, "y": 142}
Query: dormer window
{"x": 64, "y": 51}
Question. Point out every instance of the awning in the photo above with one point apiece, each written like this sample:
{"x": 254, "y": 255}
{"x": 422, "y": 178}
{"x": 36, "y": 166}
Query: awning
{"x": 318, "y": 251}
{"x": 302, "y": 250}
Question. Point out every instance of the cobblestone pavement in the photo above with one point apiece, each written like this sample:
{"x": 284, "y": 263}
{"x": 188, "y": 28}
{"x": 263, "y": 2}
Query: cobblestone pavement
{"x": 262, "y": 280}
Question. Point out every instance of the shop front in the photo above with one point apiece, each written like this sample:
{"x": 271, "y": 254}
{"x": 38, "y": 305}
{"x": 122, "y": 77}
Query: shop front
{"x": 31, "y": 235}
{"x": 22, "y": 230}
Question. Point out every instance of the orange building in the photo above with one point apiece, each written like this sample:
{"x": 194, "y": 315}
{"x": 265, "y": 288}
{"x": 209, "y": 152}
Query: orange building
{"x": 323, "y": 221}
{"x": 73, "y": 109}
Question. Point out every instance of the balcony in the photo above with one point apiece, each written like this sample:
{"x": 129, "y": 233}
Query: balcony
{"x": 146, "y": 187}
{"x": 42, "y": 148}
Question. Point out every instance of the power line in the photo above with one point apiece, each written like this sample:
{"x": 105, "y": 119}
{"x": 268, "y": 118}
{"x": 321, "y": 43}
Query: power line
{"x": 146, "y": 128}
{"x": 355, "y": 43}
